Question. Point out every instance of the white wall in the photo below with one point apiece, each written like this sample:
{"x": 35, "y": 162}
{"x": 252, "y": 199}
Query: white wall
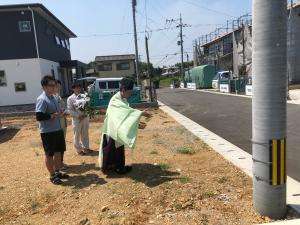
{"x": 29, "y": 71}
{"x": 47, "y": 66}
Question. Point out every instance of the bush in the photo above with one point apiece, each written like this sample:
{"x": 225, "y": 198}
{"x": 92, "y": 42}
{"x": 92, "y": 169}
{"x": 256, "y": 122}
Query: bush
{"x": 185, "y": 150}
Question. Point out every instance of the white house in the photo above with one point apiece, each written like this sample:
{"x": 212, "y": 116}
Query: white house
{"x": 33, "y": 43}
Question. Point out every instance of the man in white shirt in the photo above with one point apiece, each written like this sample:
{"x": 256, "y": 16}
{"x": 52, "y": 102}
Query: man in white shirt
{"x": 80, "y": 122}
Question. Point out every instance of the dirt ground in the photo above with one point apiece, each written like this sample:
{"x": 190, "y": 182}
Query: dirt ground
{"x": 176, "y": 179}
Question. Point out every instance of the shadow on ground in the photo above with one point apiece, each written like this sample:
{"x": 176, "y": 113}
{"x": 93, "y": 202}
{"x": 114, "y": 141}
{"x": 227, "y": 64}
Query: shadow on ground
{"x": 92, "y": 153}
{"x": 83, "y": 181}
{"x": 149, "y": 174}
{"x": 82, "y": 168}
{"x": 8, "y": 134}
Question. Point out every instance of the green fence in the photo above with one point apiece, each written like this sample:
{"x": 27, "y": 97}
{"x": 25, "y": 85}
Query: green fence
{"x": 236, "y": 85}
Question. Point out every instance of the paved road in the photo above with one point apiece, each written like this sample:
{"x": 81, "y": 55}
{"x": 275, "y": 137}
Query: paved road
{"x": 230, "y": 118}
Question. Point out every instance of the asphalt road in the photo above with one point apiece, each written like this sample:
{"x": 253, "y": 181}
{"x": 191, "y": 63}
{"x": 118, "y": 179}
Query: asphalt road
{"x": 230, "y": 118}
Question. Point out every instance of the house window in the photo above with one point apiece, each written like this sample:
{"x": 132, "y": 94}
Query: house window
{"x": 102, "y": 85}
{"x": 2, "y": 79}
{"x": 105, "y": 67}
{"x": 123, "y": 66}
{"x": 63, "y": 43}
{"x": 24, "y": 26}
{"x": 67, "y": 44}
{"x": 57, "y": 40}
{"x": 19, "y": 87}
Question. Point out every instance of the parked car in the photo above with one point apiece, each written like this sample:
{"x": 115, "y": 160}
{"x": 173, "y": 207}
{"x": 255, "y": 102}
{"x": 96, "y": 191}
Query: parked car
{"x": 100, "y": 85}
{"x": 103, "y": 89}
{"x": 222, "y": 75}
{"x": 111, "y": 85}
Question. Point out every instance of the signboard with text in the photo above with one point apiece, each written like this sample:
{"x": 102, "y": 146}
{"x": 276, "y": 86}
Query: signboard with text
{"x": 224, "y": 88}
{"x": 249, "y": 90}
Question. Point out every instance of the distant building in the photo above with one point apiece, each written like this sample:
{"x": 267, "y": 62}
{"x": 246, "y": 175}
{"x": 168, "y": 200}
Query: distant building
{"x": 115, "y": 65}
{"x": 33, "y": 43}
{"x": 232, "y": 50}
{"x": 170, "y": 71}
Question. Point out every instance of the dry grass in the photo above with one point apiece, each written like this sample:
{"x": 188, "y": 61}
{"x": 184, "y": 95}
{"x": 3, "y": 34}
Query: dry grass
{"x": 165, "y": 187}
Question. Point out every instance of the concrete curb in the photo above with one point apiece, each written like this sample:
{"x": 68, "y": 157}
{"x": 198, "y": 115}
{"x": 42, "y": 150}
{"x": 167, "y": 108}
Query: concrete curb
{"x": 230, "y": 152}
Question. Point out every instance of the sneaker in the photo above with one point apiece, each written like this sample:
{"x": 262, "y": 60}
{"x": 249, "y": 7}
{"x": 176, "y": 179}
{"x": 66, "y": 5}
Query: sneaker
{"x": 81, "y": 153}
{"x": 56, "y": 180}
{"x": 87, "y": 150}
{"x": 61, "y": 175}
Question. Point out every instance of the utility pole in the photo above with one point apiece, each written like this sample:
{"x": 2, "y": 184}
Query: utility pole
{"x": 149, "y": 69}
{"x": 180, "y": 25}
{"x": 135, "y": 41}
{"x": 269, "y": 110}
{"x": 181, "y": 49}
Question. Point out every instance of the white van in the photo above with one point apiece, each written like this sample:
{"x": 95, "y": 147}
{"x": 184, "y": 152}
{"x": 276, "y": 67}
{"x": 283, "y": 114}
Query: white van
{"x": 222, "y": 75}
{"x": 106, "y": 84}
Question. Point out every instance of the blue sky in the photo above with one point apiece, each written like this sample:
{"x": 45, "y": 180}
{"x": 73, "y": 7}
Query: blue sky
{"x": 89, "y": 17}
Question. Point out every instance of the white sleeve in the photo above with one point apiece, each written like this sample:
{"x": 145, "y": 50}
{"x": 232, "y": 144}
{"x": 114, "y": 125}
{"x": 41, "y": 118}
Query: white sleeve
{"x": 71, "y": 108}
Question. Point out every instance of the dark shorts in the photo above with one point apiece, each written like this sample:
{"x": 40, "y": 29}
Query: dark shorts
{"x": 53, "y": 142}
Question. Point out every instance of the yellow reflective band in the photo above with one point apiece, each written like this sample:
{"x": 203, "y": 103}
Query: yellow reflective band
{"x": 274, "y": 162}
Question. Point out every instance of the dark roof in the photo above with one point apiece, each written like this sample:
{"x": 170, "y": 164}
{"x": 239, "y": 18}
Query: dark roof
{"x": 43, "y": 11}
{"x": 72, "y": 63}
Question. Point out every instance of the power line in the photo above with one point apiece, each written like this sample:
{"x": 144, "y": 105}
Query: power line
{"x": 157, "y": 9}
{"x": 208, "y": 9}
{"x": 122, "y": 34}
{"x": 169, "y": 54}
{"x": 139, "y": 32}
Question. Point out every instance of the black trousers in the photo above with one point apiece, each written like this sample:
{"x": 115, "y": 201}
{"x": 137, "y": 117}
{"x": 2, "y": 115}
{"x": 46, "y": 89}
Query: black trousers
{"x": 113, "y": 158}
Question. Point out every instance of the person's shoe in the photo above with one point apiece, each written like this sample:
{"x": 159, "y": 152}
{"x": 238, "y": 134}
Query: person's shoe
{"x": 124, "y": 170}
{"x": 56, "y": 180}
{"x": 81, "y": 153}
{"x": 61, "y": 175}
{"x": 87, "y": 150}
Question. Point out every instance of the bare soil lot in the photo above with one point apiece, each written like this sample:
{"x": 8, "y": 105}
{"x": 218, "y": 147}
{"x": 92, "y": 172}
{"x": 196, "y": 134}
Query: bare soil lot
{"x": 176, "y": 179}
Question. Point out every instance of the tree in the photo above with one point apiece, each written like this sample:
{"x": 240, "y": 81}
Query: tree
{"x": 143, "y": 66}
{"x": 186, "y": 65}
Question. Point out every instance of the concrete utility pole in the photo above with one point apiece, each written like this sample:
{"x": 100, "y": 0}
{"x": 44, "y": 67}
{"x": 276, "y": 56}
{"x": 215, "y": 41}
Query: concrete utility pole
{"x": 181, "y": 49}
{"x": 135, "y": 41}
{"x": 149, "y": 69}
{"x": 180, "y": 26}
{"x": 269, "y": 107}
